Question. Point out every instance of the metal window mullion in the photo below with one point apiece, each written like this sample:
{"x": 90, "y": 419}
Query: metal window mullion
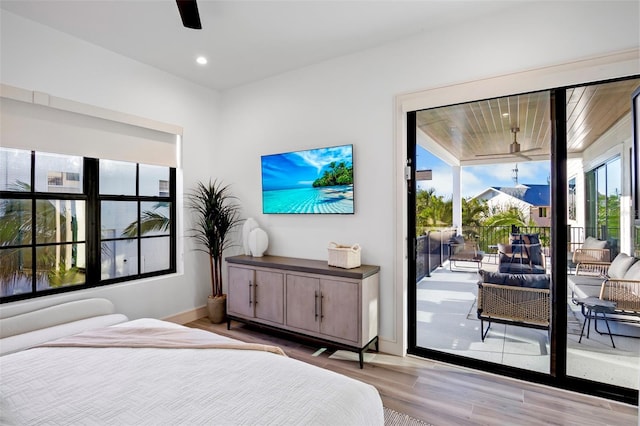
{"x": 93, "y": 239}
{"x": 34, "y": 260}
{"x": 139, "y": 233}
{"x": 172, "y": 224}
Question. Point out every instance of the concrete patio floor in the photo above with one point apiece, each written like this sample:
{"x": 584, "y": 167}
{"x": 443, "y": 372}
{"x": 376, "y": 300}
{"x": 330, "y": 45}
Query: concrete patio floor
{"x": 447, "y": 322}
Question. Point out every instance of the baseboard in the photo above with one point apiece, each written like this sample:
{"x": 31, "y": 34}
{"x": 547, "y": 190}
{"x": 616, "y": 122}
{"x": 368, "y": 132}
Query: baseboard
{"x": 188, "y": 316}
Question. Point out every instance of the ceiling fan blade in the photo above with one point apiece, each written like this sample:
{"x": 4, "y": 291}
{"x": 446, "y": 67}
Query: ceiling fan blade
{"x": 530, "y": 149}
{"x": 521, "y": 155}
{"x": 189, "y": 13}
{"x": 510, "y": 154}
{"x": 500, "y": 154}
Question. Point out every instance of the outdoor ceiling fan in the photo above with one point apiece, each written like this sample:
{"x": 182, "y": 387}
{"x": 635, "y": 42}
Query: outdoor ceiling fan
{"x": 514, "y": 148}
{"x": 189, "y": 14}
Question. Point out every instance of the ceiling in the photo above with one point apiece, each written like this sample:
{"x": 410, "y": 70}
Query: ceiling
{"x": 481, "y": 132}
{"x": 246, "y": 41}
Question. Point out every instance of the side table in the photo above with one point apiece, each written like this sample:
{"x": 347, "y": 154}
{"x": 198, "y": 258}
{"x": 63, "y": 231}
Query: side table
{"x": 591, "y": 307}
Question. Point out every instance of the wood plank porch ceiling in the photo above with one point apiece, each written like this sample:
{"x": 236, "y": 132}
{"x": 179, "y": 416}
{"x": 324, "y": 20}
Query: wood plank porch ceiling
{"x": 480, "y": 132}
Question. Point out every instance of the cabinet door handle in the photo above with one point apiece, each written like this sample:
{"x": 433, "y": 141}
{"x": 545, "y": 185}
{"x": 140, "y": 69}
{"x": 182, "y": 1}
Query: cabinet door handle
{"x": 321, "y": 299}
{"x": 250, "y": 285}
{"x": 315, "y": 305}
{"x": 255, "y": 293}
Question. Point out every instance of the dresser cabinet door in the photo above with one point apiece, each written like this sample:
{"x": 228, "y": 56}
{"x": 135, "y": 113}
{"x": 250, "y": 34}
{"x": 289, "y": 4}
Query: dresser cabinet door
{"x": 240, "y": 292}
{"x": 268, "y": 295}
{"x": 303, "y": 303}
{"x": 340, "y": 309}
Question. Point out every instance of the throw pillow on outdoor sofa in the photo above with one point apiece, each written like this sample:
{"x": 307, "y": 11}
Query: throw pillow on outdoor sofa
{"x": 620, "y": 265}
{"x": 531, "y": 245}
{"x": 594, "y": 243}
{"x": 633, "y": 273}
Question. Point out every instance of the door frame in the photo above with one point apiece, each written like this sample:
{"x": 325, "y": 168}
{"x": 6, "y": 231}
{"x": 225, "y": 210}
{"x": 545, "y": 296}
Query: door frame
{"x": 602, "y": 68}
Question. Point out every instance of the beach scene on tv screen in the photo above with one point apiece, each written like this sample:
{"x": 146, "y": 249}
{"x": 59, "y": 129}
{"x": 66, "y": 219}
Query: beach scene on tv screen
{"x": 312, "y": 181}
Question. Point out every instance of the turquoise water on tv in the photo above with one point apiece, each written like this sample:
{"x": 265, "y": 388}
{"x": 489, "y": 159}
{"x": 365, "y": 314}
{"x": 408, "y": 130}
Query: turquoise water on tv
{"x": 328, "y": 199}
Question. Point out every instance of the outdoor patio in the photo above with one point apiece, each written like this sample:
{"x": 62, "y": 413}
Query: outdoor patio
{"x": 447, "y": 322}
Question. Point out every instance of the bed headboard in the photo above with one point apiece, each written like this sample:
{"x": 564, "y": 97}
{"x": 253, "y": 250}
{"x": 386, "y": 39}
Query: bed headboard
{"x": 31, "y": 328}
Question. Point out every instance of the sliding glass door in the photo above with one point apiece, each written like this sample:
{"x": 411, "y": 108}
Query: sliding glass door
{"x": 601, "y": 235}
{"x": 502, "y": 193}
{"x": 482, "y": 188}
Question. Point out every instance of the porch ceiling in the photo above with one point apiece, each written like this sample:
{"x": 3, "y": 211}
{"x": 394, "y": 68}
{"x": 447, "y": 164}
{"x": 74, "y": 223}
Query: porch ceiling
{"x": 480, "y": 132}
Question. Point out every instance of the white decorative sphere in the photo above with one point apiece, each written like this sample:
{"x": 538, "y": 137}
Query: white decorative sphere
{"x": 258, "y": 242}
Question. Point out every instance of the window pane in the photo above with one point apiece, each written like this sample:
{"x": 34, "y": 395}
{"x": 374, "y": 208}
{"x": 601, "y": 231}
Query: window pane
{"x": 155, "y": 218}
{"x": 58, "y": 266}
{"x": 117, "y": 178}
{"x": 16, "y": 170}
{"x": 614, "y": 183}
{"x": 154, "y": 181}
{"x": 15, "y": 222}
{"x": 60, "y": 221}
{"x": 58, "y": 173}
{"x": 119, "y": 258}
{"x": 119, "y": 219}
{"x": 15, "y": 271}
{"x": 155, "y": 254}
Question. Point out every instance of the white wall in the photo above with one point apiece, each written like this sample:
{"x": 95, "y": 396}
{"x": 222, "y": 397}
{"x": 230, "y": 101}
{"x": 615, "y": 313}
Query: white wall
{"x": 35, "y": 57}
{"x": 350, "y": 99}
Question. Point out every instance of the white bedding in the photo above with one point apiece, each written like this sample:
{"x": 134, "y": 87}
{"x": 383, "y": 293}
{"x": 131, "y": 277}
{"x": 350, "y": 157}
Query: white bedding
{"x": 166, "y": 386}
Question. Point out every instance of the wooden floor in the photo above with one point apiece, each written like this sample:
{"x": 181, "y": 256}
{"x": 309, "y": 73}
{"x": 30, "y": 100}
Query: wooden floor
{"x": 442, "y": 394}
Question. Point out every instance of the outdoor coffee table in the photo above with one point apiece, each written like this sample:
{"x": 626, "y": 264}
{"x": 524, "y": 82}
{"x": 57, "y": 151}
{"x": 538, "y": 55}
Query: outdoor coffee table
{"x": 594, "y": 306}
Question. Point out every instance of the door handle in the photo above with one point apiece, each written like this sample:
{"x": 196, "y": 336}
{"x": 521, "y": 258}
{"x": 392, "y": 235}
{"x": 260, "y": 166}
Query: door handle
{"x": 250, "y": 285}
{"x": 315, "y": 305}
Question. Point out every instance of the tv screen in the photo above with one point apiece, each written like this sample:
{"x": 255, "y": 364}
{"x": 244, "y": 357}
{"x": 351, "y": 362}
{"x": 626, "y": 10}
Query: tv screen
{"x": 315, "y": 181}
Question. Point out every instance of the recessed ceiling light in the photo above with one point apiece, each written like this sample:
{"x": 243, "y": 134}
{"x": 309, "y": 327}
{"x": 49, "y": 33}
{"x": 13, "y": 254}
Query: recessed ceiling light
{"x": 201, "y": 60}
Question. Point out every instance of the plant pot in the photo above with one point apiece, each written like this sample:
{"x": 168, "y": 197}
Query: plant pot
{"x": 217, "y": 308}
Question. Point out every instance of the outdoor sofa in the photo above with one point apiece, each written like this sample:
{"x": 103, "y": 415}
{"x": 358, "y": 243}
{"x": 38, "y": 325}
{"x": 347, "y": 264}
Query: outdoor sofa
{"x": 516, "y": 299}
{"x": 617, "y": 281}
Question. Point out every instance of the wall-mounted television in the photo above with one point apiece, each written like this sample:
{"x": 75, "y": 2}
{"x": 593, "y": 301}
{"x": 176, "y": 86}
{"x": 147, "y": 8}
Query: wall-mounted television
{"x": 314, "y": 181}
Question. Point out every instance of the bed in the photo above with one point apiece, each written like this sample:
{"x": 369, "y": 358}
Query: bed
{"x": 152, "y": 372}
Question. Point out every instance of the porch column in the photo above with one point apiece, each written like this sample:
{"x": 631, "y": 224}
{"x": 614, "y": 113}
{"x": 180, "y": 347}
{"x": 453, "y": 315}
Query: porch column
{"x": 457, "y": 199}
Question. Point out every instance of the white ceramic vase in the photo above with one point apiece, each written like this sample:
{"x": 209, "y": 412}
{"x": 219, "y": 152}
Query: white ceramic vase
{"x": 258, "y": 242}
{"x": 249, "y": 225}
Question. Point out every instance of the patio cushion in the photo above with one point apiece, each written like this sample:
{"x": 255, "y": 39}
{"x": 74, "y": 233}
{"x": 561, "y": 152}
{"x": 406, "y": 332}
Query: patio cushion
{"x": 504, "y": 248}
{"x": 584, "y": 291}
{"x": 620, "y": 266}
{"x": 585, "y": 280}
{"x": 517, "y": 280}
{"x": 594, "y": 243}
{"x": 457, "y": 244}
{"x": 530, "y": 245}
{"x": 633, "y": 273}
{"x": 516, "y": 267}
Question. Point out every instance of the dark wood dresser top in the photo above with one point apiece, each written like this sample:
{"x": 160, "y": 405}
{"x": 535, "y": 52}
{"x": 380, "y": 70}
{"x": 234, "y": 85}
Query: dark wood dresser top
{"x": 304, "y": 265}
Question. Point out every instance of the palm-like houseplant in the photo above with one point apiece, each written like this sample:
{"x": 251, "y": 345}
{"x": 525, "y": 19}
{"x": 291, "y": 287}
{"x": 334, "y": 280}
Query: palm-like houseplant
{"x": 216, "y": 214}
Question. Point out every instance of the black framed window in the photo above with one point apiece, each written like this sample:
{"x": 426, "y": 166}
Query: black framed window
{"x": 68, "y": 222}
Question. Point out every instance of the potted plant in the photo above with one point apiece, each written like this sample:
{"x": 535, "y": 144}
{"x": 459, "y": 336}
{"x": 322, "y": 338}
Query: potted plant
{"x": 216, "y": 214}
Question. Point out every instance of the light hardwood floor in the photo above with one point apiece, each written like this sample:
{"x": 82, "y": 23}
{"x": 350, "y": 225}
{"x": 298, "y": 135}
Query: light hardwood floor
{"x": 442, "y": 394}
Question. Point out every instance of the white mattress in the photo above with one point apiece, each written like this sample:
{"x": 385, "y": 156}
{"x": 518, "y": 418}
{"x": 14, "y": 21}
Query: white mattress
{"x": 152, "y": 386}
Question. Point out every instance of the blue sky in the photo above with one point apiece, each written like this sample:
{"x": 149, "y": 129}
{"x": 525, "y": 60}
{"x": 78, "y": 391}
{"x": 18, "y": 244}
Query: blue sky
{"x": 299, "y": 169}
{"x": 475, "y": 179}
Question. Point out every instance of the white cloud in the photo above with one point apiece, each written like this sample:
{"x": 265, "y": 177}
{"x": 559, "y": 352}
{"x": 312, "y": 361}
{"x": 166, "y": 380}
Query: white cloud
{"x": 471, "y": 184}
{"x": 441, "y": 181}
